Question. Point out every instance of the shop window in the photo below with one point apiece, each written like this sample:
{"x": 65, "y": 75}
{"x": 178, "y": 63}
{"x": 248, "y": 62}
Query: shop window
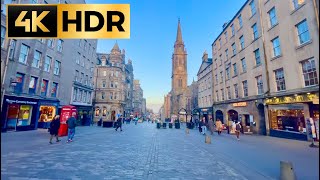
{"x": 33, "y": 85}
{"x": 97, "y": 111}
{"x": 54, "y": 89}
{"x": 104, "y": 111}
{"x": 18, "y": 115}
{"x": 19, "y": 83}
{"x": 287, "y": 120}
{"x": 47, "y": 113}
{"x": 44, "y": 87}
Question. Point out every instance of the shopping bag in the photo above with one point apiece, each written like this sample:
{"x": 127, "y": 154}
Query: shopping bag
{"x": 208, "y": 139}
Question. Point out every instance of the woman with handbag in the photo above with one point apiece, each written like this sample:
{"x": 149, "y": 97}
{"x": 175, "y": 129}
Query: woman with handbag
{"x": 54, "y": 128}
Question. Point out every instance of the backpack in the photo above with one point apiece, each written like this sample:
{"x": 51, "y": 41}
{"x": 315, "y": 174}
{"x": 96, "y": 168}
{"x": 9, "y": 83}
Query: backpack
{"x": 238, "y": 126}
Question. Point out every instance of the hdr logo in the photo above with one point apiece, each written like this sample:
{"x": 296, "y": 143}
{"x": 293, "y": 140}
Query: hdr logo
{"x": 68, "y": 21}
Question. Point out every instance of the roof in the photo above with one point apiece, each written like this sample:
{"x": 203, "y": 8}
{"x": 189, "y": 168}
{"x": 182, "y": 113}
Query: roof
{"x": 204, "y": 65}
{"x": 231, "y": 21}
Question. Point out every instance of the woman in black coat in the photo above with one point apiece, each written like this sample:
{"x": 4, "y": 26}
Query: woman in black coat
{"x": 54, "y": 128}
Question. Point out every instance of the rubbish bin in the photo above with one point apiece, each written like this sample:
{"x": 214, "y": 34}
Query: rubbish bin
{"x": 170, "y": 125}
{"x": 177, "y": 125}
{"x": 158, "y": 125}
{"x": 164, "y": 125}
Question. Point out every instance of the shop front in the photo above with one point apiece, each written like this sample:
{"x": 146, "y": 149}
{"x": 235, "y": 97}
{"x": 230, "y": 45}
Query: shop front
{"x": 48, "y": 109}
{"x": 206, "y": 113}
{"x": 19, "y": 113}
{"x": 250, "y": 114}
{"x": 85, "y": 115}
{"x": 288, "y": 116}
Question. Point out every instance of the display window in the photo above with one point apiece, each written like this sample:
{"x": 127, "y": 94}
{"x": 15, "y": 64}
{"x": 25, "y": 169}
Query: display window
{"x": 97, "y": 111}
{"x": 18, "y": 115}
{"x": 287, "y": 120}
{"x": 47, "y": 113}
{"x": 24, "y": 116}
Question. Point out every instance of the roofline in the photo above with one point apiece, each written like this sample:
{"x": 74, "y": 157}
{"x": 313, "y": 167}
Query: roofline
{"x": 231, "y": 20}
{"x": 210, "y": 63}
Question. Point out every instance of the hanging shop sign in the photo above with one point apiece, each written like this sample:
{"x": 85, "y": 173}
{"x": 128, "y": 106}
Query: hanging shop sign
{"x": 240, "y": 104}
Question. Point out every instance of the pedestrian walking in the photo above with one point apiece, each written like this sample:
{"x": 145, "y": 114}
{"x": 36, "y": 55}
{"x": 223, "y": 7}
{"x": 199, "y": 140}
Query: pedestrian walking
{"x": 219, "y": 126}
{"x": 199, "y": 126}
{"x": 119, "y": 123}
{"x": 71, "y": 122}
{"x": 203, "y": 126}
{"x": 54, "y": 128}
{"x": 210, "y": 124}
{"x": 136, "y": 121}
{"x": 238, "y": 129}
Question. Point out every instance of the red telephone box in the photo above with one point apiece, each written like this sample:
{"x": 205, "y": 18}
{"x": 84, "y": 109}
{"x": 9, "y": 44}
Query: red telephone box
{"x": 66, "y": 113}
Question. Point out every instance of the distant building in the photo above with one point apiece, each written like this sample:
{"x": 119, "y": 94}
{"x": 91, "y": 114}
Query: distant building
{"x": 137, "y": 98}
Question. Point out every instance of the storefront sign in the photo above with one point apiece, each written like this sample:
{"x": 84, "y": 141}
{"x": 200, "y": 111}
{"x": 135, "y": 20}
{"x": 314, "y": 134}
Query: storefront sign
{"x": 20, "y": 102}
{"x": 240, "y": 104}
{"x": 294, "y": 99}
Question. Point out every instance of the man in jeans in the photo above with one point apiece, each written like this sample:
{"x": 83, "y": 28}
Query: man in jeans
{"x": 71, "y": 122}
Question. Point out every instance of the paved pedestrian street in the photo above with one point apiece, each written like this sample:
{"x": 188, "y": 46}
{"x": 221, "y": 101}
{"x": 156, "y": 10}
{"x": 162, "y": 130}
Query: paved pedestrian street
{"x": 143, "y": 152}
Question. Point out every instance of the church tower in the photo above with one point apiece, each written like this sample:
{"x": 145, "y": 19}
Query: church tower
{"x": 179, "y": 65}
{"x": 179, "y": 75}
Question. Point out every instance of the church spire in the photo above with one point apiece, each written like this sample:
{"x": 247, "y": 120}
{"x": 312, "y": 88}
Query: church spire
{"x": 179, "y": 34}
{"x": 116, "y": 47}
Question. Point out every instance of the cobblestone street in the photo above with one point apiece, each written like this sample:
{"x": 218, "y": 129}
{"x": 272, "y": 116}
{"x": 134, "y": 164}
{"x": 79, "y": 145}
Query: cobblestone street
{"x": 144, "y": 152}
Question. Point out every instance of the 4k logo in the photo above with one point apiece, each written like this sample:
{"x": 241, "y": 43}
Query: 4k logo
{"x": 36, "y": 21}
{"x": 32, "y": 21}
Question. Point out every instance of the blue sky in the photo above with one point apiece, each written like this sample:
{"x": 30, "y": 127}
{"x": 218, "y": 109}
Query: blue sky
{"x": 153, "y": 32}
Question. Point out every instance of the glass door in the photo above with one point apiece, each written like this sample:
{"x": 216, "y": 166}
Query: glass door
{"x": 12, "y": 117}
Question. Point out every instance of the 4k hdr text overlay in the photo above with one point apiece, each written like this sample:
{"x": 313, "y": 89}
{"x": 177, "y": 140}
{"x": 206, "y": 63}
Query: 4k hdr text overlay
{"x": 68, "y": 21}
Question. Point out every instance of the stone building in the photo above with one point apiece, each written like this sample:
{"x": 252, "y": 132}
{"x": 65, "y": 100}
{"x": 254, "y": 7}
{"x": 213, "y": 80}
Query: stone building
{"x": 179, "y": 77}
{"x": 110, "y": 85}
{"x": 193, "y": 104}
{"x": 254, "y": 59}
{"x": 4, "y": 50}
{"x": 129, "y": 89}
{"x": 205, "y": 87}
{"x": 137, "y": 98}
{"x": 144, "y": 107}
{"x": 40, "y": 79}
{"x": 167, "y": 106}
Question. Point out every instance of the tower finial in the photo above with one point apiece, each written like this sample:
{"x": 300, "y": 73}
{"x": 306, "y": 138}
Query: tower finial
{"x": 179, "y": 34}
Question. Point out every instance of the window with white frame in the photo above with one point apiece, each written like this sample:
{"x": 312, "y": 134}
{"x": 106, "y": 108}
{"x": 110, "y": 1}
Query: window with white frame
{"x": 253, "y": 8}
{"x": 240, "y": 21}
{"x": 226, "y": 36}
{"x": 309, "y": 72}
{"x": 259, "y": 84}
{"x": 82, "y": 77}
{"x": 78, "y": 58}
{"x": 13, "y": 43}
{"x": 236, "y": 92}
{"x": 36, "y": 59}
{"x": 244, "y": 65}
{"x": 235, "y": 69}
{"x": 74, "y": 97}
{"x": 221, "y": 77}
{"x": 241, "y": 39}
{"x": 297, "y": 3}
{"x": 228, "y": 72}
{"x": 234, "y": 50}
{"x": 257, "y": 57}
{"x": 227, "y": 54}
{"x": 222, "y": 95}
{"x": 47, "y": 63}
{"x": 220, "y": 59}
{"x": 102, "y": 95}
{"x": 276, "y": 47}
{"x": 57, "y": 66}
{"x": 272, "y": 17}
{"x": 255, "y": 31}
{"x": 303, "y": 32}
{"x": 76, "y": 77}
{"x": 229, "y": 92}
{"x": 217, "y": 95}
{"x": 216, "y": 77}
{"x": 83, "y": 61}
{"x": 59, "y": 45}
{"x": 111, "y": 95}
{"x": 24, "y": 51}
{"x": 232, "y": 30}
{"x": 245, "y": 88}
{"x": 3, "y": 35}
{"x": 50, "y": 43}
{"x": 280, "y": 81}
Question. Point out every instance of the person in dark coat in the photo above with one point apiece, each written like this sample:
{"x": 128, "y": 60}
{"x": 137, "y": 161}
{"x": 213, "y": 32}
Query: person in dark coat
{"x": 54, "y": 128}
{"x": 119, "y": 123}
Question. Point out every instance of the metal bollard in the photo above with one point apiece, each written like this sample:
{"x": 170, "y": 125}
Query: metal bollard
{"x": 287, "y": 171}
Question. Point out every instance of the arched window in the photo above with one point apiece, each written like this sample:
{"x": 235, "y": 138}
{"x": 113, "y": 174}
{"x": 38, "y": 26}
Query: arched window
{"x": 97, "y": 111}
{"x": 104, "y": 111}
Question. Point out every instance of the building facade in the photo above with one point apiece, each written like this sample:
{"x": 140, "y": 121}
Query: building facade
{"x": 167, "y": 106}
{"x": 205, "y": 87}
{"x": 179, "y": 77}
{"x": 137, "y": 99}
{"x": 129, "y": 89}
{"x": 254, "y": 57}
{"x": 110, "y": 86}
